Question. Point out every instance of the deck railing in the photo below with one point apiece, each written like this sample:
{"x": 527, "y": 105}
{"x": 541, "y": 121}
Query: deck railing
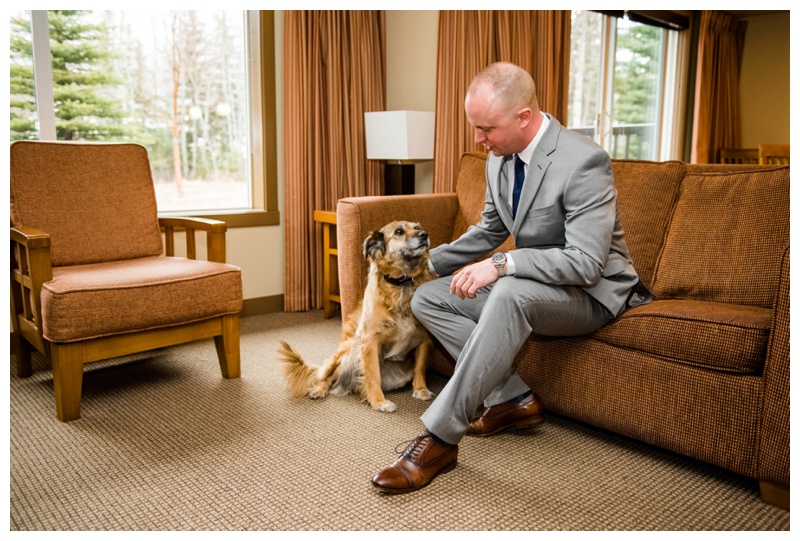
{"x": 630, "y": 141}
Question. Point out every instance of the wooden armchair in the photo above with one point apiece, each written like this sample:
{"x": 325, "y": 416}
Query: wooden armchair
{"x": 738, "y": 155}
{"x": 773, "y": 154}
{"x": 90, "y": 276}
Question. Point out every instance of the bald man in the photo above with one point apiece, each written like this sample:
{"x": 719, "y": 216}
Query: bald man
{"x": 570, "y": 274}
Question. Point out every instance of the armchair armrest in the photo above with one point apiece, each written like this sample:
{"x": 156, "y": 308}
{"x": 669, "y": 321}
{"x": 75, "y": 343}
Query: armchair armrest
{"x": 31, "y": 266}
{"x": 773, "y": 461}
{"x": 215, "y": 236}
{"x": 357, "y": 217}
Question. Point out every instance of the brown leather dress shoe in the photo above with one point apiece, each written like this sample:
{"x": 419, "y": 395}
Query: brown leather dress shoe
{"x": 421, "y": 461}
{"x": 520, "y": 415}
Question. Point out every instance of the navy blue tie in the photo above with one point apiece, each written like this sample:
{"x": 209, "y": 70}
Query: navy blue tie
{"x": 519, "y": 178}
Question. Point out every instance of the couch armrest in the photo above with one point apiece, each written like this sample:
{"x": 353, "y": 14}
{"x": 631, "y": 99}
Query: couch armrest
{"x": 357, "y": 217}
{"x": 773, "y": 461}
{"x": 215, "y": 236}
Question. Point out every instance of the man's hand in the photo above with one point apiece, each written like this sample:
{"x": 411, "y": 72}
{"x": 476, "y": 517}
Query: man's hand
{"x": 473, "y": 277}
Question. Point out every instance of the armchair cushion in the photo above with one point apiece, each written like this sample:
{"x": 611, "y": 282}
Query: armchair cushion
{"x": 103, "y": 299}
{"x": 71, "y": 191}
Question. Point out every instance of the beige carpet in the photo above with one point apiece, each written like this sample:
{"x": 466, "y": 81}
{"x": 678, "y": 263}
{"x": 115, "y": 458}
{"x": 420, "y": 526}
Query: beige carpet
{"x": 164, "y": 443}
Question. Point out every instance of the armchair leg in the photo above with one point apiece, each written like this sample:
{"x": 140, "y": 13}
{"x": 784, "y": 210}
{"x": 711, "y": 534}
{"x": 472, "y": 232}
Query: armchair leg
{"x": 228, "y": 347}
{"x": 22, "y": 351}
{"x": 67, "y": 362}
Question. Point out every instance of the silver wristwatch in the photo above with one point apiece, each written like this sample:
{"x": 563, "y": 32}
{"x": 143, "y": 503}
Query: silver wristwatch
{"x": 499, "y": 260}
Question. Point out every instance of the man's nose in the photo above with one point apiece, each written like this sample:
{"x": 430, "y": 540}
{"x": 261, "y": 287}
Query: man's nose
{"x": 480, "y": 137}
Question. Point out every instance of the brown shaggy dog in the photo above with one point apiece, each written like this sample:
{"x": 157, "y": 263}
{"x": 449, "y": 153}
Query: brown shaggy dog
{"x": 373, "y": 356}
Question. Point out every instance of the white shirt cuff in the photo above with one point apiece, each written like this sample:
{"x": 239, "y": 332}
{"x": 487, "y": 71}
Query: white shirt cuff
{"x": 510, "y": 267}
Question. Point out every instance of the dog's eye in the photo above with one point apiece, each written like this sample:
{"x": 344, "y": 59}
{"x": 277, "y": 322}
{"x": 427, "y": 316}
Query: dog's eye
{"x": 399, "y": 232}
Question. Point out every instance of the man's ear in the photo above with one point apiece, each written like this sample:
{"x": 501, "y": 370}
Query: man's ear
{"x": 525, "y": 115}
{"x": 374, "y": 245}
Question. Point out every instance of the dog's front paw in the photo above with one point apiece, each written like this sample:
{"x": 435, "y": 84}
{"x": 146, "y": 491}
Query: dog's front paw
{"x": 386, "y": 406}
{"x": 423, "y": 394}
{"x": 317, "y": 392}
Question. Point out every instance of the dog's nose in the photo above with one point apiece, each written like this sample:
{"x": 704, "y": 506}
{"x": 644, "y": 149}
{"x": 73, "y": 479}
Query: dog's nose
{"x": 423, "y": 235}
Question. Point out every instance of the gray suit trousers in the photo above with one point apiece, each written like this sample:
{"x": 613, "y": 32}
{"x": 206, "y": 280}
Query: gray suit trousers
{"x": 484, "y": 335}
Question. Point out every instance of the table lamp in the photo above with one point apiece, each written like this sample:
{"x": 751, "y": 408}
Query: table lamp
{"x": 403, "y": 139}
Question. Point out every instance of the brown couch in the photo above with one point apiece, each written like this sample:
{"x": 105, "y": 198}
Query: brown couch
{"x": 703, "y": 370}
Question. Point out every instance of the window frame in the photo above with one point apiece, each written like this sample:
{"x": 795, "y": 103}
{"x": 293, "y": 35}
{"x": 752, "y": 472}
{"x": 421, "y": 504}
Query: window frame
{"x": 264, "y": 170}
{"x": 672, "y": 102}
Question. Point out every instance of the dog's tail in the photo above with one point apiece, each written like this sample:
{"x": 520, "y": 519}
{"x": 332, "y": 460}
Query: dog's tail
{"x": 299, "y": 376}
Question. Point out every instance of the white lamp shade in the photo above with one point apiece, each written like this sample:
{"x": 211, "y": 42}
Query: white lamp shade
{"x": 399, "y": 135}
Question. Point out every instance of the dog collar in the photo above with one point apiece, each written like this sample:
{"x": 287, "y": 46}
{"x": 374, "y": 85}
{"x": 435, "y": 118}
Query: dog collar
{"x": 403, "y": 280}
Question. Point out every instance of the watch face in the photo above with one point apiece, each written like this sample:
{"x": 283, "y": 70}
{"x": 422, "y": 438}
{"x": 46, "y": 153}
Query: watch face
{"x": 499, "y": 258}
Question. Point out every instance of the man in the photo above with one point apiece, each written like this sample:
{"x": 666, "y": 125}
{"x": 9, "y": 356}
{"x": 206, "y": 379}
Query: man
{"x": 553, "y": 190}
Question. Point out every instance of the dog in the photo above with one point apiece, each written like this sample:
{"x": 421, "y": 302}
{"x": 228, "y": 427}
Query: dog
{"x": 373, "y": 356}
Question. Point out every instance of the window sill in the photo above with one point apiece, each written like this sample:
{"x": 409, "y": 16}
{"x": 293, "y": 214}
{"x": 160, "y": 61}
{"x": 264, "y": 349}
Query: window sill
{"x": 243, "y": 218}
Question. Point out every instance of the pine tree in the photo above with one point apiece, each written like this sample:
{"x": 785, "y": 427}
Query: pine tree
{"x": 23, "y": 102}
{"x": 637, "y": 77}
{"x": 84, "y": 86}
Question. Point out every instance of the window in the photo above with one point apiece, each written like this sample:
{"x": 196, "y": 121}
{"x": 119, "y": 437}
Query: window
{"x": 194, "y": 87}
{"x": 627, "y": 85}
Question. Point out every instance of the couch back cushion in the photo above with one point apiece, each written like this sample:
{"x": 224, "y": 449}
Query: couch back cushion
{"x": 471, "y": 193}
{"x": 726, "y": 237}
{"x": 97, "y": 201}
{"x": 470, "y": 190}
{"x": 647, "y": 193}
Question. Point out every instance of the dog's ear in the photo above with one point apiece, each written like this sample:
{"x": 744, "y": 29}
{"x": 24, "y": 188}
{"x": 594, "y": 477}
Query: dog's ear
{"x": 375, "y": 245}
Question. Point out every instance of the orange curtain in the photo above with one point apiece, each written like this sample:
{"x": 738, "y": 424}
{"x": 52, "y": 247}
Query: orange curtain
{"x": 717, "y": 118}
{"x": 539, "y": 41}
{"x": 334, "y": 72}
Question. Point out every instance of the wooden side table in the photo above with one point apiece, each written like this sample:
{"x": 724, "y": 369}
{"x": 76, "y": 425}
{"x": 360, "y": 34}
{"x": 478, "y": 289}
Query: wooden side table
{"x": 330, "y": 266}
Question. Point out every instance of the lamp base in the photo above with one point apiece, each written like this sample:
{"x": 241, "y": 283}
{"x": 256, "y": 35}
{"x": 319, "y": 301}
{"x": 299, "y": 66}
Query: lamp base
{"x": 398, "y": 179}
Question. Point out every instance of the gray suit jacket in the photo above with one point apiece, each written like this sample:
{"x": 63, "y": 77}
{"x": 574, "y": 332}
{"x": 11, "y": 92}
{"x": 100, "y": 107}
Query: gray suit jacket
{"x": 566, "y": 229}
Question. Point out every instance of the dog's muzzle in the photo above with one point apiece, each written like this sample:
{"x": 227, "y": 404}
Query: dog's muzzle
{"x": 423, "y": 241}
{"x": 420, "y": 245}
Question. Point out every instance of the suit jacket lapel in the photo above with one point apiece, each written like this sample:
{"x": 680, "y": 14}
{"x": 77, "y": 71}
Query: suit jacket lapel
{"x": 496, "y": 178}
{"x": 536, "y": 171}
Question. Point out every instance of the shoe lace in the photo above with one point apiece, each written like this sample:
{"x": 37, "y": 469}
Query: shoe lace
{"x": 412, "y": 447}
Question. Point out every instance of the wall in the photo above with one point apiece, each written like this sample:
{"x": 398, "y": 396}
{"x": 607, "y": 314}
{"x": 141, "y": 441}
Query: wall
{"x": 259, "y": 250}
{"x": 764, "y": 81}
{"x": 411, "y": 42}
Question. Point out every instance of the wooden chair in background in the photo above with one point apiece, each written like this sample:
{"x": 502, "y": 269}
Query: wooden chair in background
{"x": 772, "y": 154}
{"x": 91, "y": 278}
{"x": 738, "y": 155}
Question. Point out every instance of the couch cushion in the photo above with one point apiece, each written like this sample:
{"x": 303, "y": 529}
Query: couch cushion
{"x": 471, "y": 192}
{"x": 726, "y": 237}
{"x": 102, "y": 299}
{"x": 647, "y": 192}
{"x": 724, "y": 337}
{"x": 96, "y": 201}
